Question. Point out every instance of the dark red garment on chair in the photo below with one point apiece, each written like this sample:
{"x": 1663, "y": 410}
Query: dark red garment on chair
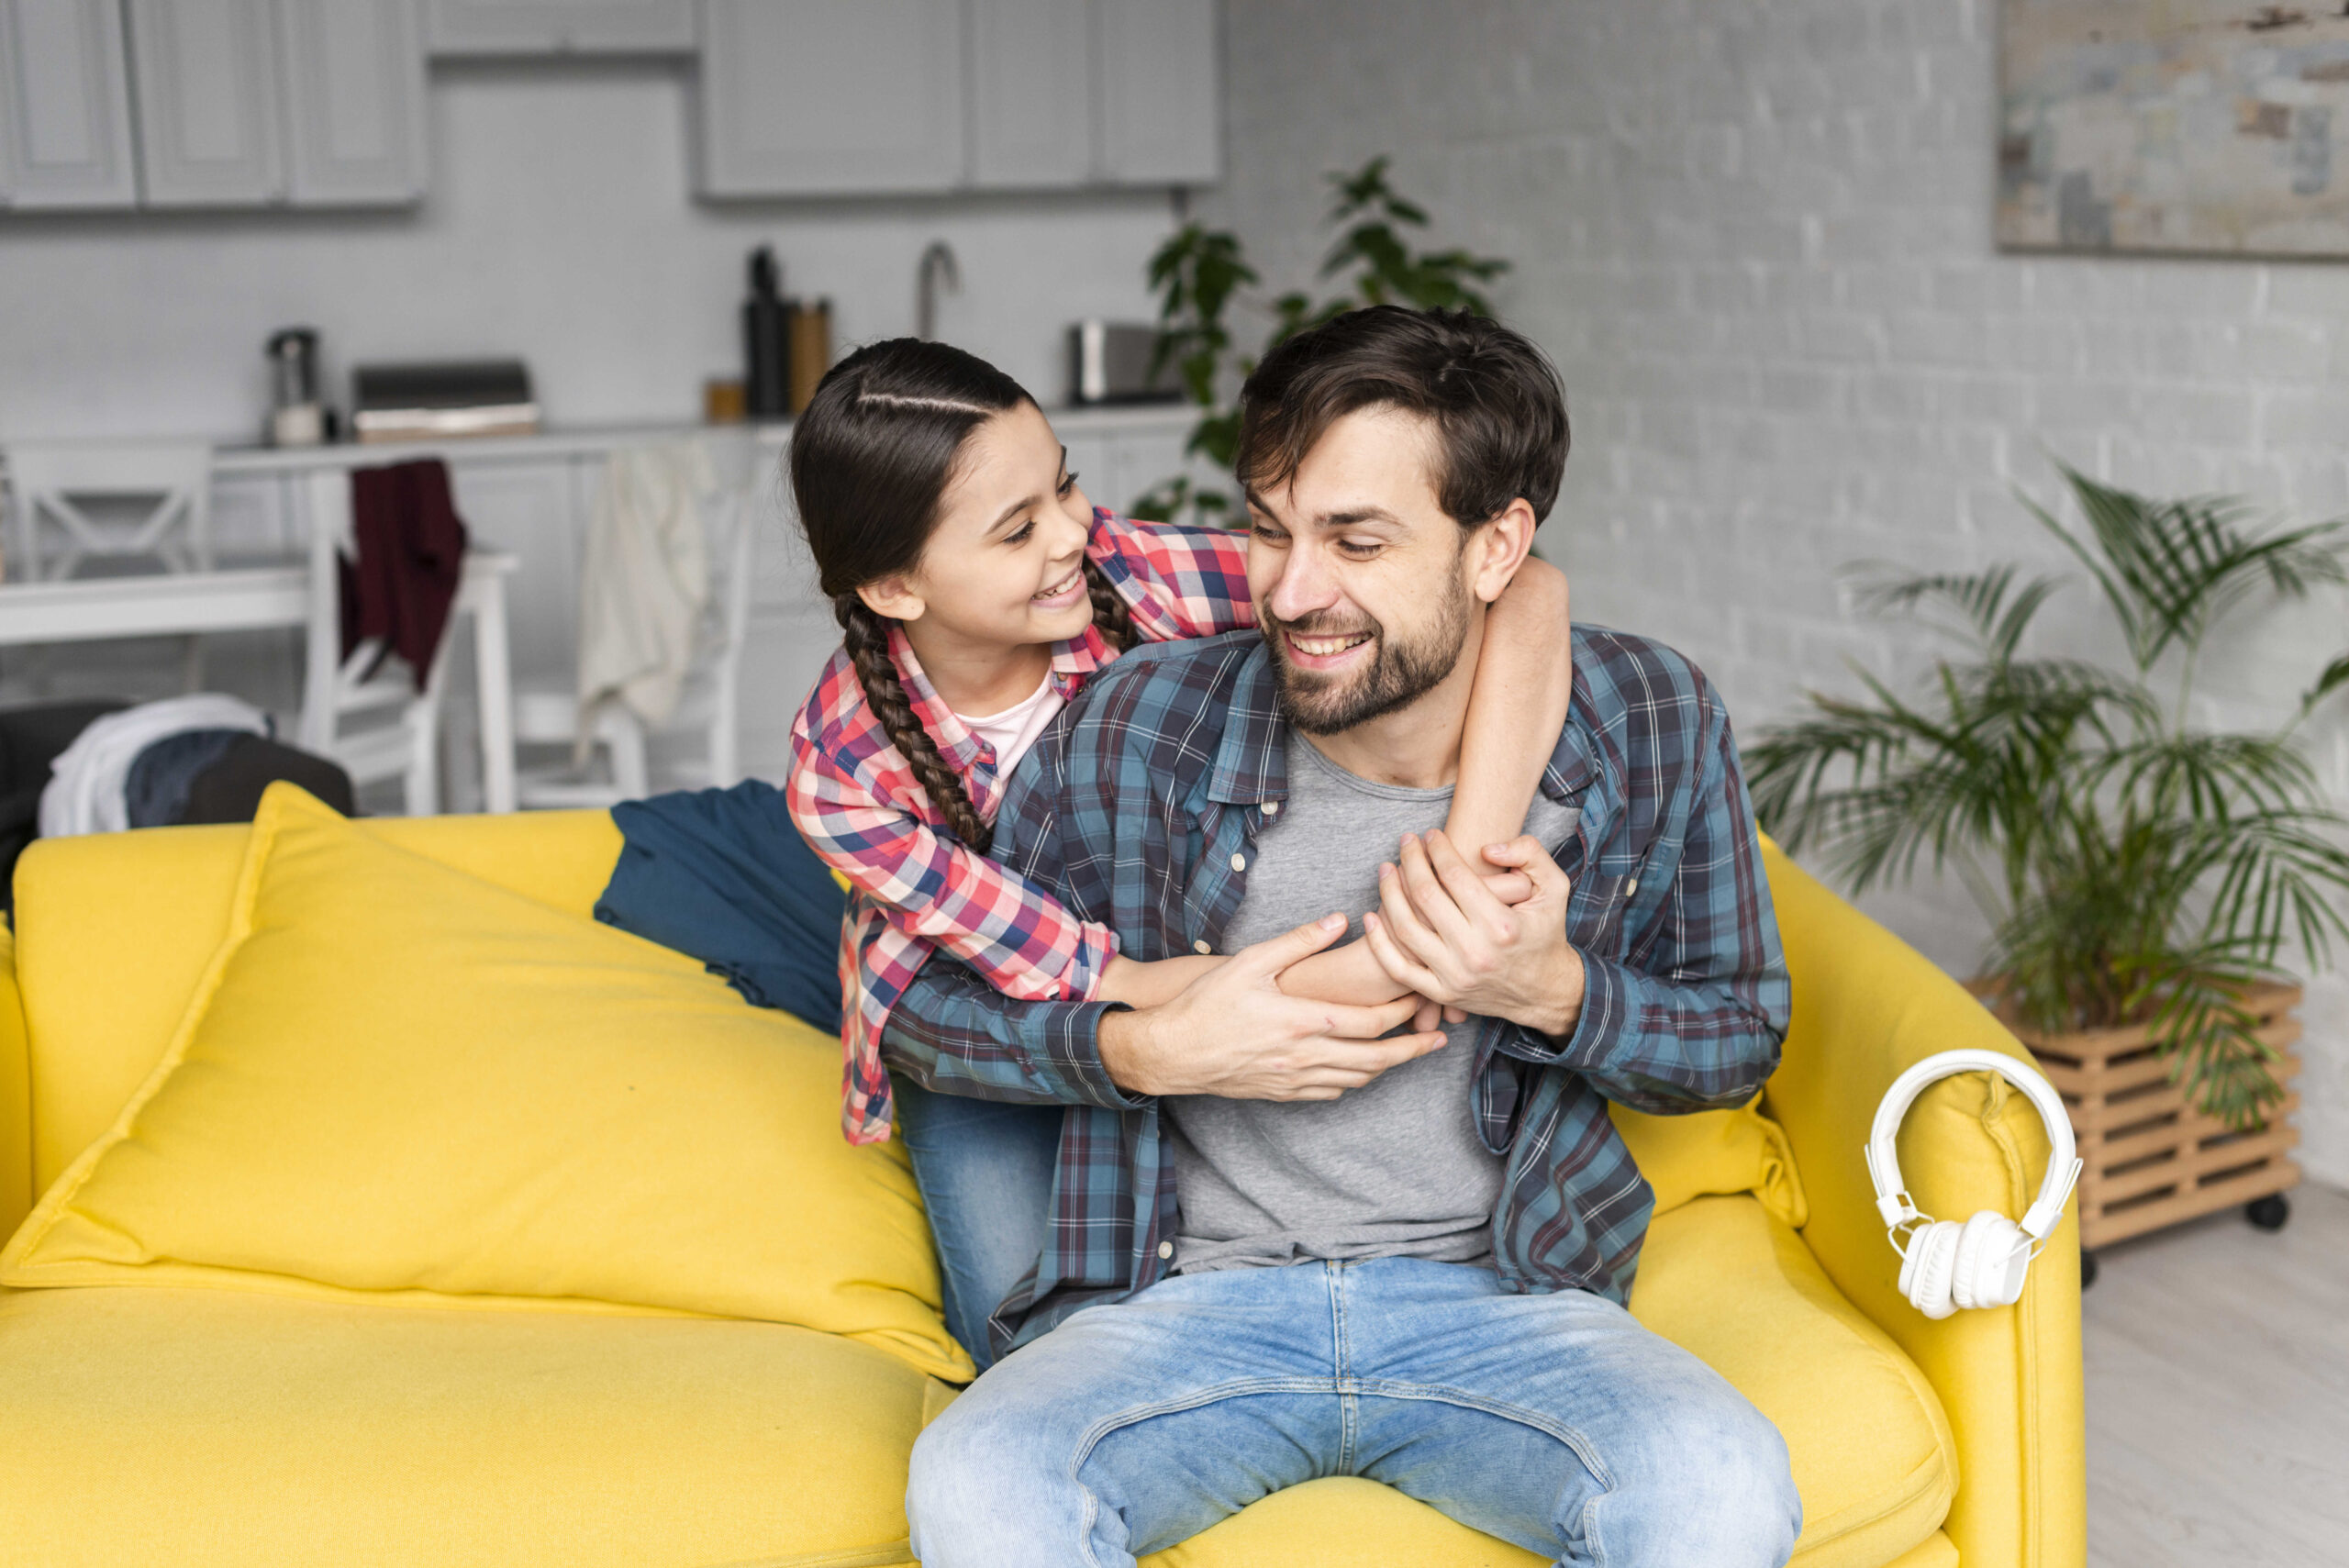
{"x": 411, "y": 548}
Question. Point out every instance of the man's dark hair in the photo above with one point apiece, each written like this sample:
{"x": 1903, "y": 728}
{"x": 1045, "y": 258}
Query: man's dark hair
{"x": 1498, "y": 408}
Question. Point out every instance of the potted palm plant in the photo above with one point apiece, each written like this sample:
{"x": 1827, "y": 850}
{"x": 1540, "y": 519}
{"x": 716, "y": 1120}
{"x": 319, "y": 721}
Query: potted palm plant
{"x": 2143, "y": 877}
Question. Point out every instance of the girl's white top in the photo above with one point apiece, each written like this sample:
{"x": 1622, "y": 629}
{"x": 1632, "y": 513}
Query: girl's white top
{"x": 1017, "y": 728}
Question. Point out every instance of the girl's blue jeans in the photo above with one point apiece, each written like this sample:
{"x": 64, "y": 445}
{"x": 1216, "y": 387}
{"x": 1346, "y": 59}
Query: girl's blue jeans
{"x": 986, "y": 1173}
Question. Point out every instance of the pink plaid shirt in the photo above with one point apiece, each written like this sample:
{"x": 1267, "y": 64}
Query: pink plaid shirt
{"x": 914, "y": 887}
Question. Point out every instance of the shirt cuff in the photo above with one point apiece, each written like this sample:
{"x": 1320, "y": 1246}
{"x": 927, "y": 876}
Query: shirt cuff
{"x": 1095, "y": 947}
{"x": 1070, "y": 1035}
{"x": 1606, "y": 1007}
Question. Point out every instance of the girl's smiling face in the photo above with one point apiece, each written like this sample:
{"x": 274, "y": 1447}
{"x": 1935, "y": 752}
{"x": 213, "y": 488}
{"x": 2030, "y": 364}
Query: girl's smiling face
{"x": 1003, "y": 566}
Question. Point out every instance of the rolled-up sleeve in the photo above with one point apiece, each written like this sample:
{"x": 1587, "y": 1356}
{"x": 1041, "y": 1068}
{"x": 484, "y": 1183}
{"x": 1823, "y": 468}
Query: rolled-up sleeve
{"x": 1697, "y": 1023}
{"x": 954, "y": 1033}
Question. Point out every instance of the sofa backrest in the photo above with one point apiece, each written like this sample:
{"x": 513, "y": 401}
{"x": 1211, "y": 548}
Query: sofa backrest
{"x": 114, "y": 931}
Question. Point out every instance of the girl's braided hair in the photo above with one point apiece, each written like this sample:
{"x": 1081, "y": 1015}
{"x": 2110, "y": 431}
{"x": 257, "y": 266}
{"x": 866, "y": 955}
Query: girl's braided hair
{"x": 870, "y": 461}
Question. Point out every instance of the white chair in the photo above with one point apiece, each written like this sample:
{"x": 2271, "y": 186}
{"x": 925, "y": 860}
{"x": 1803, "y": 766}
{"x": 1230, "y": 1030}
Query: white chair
{"x": 158, "y": 508}
{"x": 171, "y": 486}
{"x": 398, "y": 735}
{"x": 546, "y": 714}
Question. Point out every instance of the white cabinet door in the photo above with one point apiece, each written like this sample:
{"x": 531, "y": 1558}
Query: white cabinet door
{"x": 1032, "y": 92}
{"x": 7, "y": 108}
{"x": 560, "y": 26}
{"x": 1161, "y": 116}
{"x": 205, "y": 75}
{"x": 810, "y": 96}
{"x": 65, "y": 99}
{"x": 355, "y": 102}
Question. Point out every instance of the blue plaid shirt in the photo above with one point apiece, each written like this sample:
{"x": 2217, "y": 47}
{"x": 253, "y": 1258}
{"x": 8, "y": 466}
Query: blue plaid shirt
{"x": 1133, "y": 813}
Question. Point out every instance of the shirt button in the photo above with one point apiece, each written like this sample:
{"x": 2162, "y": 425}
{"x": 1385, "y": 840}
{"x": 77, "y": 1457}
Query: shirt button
{"x": 1166, "y": 1249}
{"x": 1239, "y": 861}
{"x": 1631, "y": 886}
{"x": 1272, "y": 808}
{"x": 1201, "y": 947}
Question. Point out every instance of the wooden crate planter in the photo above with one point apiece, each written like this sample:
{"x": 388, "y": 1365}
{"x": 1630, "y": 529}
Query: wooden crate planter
{"x": 2147, "y": 1161}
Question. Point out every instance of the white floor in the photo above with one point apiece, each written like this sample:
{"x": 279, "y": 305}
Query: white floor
{"x": 2218, "y": 1394}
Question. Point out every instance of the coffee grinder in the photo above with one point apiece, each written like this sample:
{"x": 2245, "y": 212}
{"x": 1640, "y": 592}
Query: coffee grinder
{"x": 296, "y": 418}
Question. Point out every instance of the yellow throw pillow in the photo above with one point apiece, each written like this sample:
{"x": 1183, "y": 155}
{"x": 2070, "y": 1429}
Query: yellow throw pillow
{"x": 1687, "y": 1157}
{"x": 398, "y": 1079}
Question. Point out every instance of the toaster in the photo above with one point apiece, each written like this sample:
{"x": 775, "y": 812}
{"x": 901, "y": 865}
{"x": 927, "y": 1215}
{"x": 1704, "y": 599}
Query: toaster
{"x": 1108, "y": 362}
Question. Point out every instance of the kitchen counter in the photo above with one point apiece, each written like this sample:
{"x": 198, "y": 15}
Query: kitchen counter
{"x": 593, "y": 440}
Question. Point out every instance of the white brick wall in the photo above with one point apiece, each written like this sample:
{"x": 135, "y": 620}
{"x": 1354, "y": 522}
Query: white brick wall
{"x": 1757, "y": 240}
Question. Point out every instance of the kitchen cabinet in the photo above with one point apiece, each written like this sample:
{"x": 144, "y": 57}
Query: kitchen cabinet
{"x": 820, "y": 96}
{"x": 204, "y": 76}
{"x": 1161, "y": 116}
{"x": 803, "y": 97}
{"x": 355, "y": 102}
{"x": 8, "y": 109}
{"x": 250, "y": 103}
{"x": 560, "y": 26}
{"x": 1034, "y": 97}
{"x": 64, "y": 106}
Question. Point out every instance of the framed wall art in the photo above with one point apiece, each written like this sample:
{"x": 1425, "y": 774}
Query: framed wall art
{"x": 2195, "y": 126}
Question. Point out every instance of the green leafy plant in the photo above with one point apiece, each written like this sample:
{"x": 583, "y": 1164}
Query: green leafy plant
{"x": 1201, "y": 273}
{"x": 2136, "y": 869}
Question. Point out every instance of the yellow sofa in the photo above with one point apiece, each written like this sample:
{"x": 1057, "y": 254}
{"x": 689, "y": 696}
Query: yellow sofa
{"x": 195, "y": 1425}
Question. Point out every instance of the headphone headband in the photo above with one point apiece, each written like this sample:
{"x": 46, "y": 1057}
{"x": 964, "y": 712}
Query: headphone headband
{"x": 1892, "y": 1199}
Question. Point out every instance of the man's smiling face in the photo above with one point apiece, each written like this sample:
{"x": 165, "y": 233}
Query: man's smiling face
{"x": 1360, "y": 578}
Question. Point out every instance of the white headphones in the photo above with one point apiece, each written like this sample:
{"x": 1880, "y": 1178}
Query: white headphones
{"x": 1945, "y": 1264}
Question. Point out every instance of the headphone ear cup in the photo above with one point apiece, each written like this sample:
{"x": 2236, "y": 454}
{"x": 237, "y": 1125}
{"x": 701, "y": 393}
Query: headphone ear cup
{"x": 1983, "y": 1271}
{"x": 1925, "y": 1273}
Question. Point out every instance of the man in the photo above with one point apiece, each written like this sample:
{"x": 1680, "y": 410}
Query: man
{"x": 1283, "y": 1246}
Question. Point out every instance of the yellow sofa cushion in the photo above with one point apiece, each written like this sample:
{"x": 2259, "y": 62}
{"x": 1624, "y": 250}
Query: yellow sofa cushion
{"x": 226, "y": 1429}
{"x": 398, "y": 1078}
{"x": 1871, "y": 1455}
{"x": 96, "y": 1026}
{"x": 1714, "y": 1153}
{"x": 15, "y": 1095}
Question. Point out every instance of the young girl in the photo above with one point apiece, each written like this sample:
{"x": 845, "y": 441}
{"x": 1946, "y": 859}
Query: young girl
{"x": 977, "y": 590}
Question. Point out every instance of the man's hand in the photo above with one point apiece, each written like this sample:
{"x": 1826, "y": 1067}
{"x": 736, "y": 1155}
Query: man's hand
{"x": 1440, "y": 931}
{"x": 1235, "y": 1033}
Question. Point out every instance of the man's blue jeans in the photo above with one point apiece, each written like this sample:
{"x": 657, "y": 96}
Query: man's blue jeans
{"x": 1553, "y": 1421}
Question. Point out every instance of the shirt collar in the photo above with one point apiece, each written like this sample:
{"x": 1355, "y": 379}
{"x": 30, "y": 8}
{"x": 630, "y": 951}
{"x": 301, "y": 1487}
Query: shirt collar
{"x": 1251, "y": 764}
{"x": 953, "y": 738}
{"x": 1074, "y": 661}
{"x": 1574, "y": 763}
{"x": 1078, "y": 658}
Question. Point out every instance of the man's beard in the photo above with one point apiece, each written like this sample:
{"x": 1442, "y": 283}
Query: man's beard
{"x": 1400, "y": 672}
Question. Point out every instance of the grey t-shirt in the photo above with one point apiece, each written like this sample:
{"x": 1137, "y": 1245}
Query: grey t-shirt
{"x": 1394, "y": 1168}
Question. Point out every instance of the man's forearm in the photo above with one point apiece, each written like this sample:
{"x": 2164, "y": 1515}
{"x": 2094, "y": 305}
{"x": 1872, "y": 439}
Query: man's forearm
{"x": 1562, "y": 1001}
{"x": 1123, "y": 1041}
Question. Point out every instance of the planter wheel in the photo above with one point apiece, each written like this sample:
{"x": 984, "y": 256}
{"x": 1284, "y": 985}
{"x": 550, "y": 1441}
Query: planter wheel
{"x": 2087, "y": 1268}
{"x": 2268, "y": 1213}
